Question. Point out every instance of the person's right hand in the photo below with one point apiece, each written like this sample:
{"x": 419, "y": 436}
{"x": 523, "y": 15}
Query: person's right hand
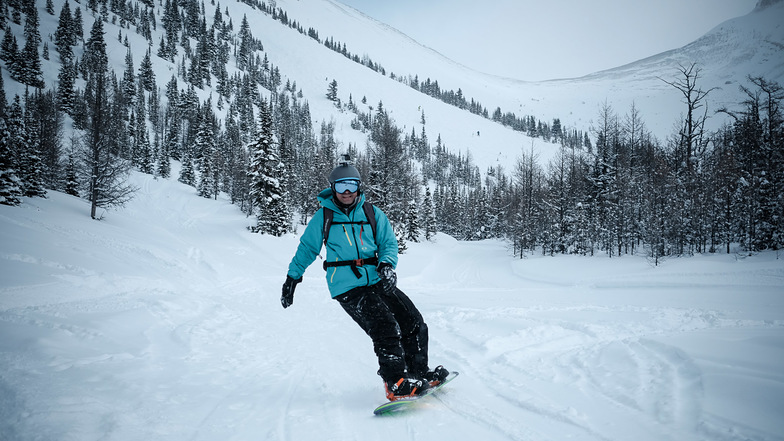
{"x": 287, "y": 297}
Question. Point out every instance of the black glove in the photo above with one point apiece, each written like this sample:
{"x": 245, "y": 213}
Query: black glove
{"x": 388, "y": 277}
{"x": 287, "y": 298}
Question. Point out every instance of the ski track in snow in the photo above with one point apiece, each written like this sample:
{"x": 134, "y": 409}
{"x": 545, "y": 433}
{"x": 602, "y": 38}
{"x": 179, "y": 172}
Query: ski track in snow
{"x": 164, "y": 322}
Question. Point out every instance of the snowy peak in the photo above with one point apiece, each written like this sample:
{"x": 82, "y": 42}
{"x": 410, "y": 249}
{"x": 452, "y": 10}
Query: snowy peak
{"x": 727, "y": 55}
{"x": 751, "y": 45}
{"x": 762, "y": 4}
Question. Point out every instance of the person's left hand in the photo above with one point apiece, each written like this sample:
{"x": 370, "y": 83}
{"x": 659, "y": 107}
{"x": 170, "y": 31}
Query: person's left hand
{"x": 388, "y": 277}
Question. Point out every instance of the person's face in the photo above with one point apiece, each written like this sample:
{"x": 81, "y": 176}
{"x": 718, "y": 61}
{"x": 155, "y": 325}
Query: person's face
{"x": 346, "y": 191}
{"x": 347, "y": 198}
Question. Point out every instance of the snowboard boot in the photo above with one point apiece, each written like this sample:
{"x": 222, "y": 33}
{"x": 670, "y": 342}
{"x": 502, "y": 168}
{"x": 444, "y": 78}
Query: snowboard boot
{"x": 436, "y": 376}
{"x": 405, "y": 388}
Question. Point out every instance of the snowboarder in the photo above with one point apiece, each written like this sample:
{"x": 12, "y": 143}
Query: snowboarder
{"x": 360, "y": 264}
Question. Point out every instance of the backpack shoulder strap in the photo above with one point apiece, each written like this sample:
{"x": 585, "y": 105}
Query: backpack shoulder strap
{"x": 370, "y": 214}
{"x": 328, "y": 215}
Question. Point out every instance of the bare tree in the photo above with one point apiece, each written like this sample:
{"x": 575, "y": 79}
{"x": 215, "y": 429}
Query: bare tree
{"x": 693, "y": 130}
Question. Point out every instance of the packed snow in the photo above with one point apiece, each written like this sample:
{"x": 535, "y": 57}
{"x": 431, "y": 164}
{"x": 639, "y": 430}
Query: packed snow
{"x": 163, "y": 321}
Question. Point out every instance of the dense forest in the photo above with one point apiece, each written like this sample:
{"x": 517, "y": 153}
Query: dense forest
{"x": 614, "y": 189}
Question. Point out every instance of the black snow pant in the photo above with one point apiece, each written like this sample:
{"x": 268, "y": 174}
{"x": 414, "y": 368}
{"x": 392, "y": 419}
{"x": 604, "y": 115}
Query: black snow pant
{"x": 396, "y": 327}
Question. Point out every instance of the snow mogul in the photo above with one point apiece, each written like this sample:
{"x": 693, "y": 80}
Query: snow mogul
{"x": 360, "y": 269}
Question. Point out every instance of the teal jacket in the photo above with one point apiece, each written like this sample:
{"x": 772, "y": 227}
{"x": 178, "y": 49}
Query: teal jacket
{"x": 346, "y": 242}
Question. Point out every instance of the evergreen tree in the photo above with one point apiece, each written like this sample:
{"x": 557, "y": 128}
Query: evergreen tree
{"x": 332, "y": 91}
{"x": 10, "y": 184}
{"x": 146, "y": 74}
{"x": 412, "y": 221}
{"x": 428, "y": 215}
{"x": 95, "y": 59}
{"x": 31, "y": 162}
{"x": 64, "y": 36}
{"x": 391, "y": 179}
{"x": 163, "y": 161}
{"x": 28, "y": 66}
{"x": 187, "y": 173}
{"x": 128, "y": 79}
{"x": 171, "y": 25}
{"x": 172, "y": 139}
{"x": 3, "y": 102}
{"x": 71, "y": 177}
{"x": 77, "y": 29}
{"x": 17, "y": 139}
{"x": 147, "y": 161}
{"x": 246, "y": 44}
{"x": 43, "y": 109}
{"x": 9, "y": 48}
{"x": 206, "y": 146}
{"x": 265, "y": 175}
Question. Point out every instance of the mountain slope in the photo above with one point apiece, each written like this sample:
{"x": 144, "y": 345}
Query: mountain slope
{"x": 749, "y": 45}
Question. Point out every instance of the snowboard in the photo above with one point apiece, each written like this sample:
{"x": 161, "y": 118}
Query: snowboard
{"x": 405, "y": 403}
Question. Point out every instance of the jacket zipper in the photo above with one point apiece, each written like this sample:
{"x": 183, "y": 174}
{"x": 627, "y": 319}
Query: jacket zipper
{"x": 347, "y": 237}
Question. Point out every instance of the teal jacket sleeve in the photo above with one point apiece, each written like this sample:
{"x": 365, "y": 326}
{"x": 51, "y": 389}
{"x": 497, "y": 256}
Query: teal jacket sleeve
{"x": 386, "y": 240}
{"x": 309, "y": 246}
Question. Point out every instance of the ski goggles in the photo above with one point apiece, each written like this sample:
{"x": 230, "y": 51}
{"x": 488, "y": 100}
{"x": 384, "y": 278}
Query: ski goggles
{"x": 350, "y": 186}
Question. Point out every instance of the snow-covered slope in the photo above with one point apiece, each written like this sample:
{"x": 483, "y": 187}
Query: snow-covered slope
{"x": 749, "y": 45}
{"x": 165, "y": 323}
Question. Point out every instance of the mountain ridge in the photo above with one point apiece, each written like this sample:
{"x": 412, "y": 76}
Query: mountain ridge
{"x": 575, "y": 100}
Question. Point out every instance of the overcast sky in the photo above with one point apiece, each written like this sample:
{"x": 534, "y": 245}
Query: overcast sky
{"x": 548, "y": 39}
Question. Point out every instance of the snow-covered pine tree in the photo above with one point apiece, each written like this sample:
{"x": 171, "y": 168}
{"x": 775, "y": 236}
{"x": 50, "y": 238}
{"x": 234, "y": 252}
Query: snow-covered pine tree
{"x": 147, "y": 161}
{"x": 9, "y": 48}
{"x": 412, "y": 221}
{"x": 391, "y": 182}
{"x": 428, "y": 215}
{"x": 206, "y": 146}
{"x": 171, "y": 24}
{"x": 10, "y": 184}
{"x": 162, "y": 161}
{"x": 245, "y": 49}
{"x": 66, "y": 91}
{"x": 64, "y": 36}
{"x": 332, "y": 91}
{"x": 187, "y": 173}
{"x": 46, "y": 122}
{"x": 71, "y": 177}
{"x": 28, "y": 67}
{"x": 128, "y": 82}
{"x": 30, "y": 162}
{"x": 77, "y": 27}
{"x": 400, "y": 233}
{"x": 266, "y": 176}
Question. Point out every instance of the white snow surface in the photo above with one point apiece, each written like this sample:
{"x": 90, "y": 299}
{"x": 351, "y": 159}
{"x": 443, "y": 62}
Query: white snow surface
{"x": 163, "y": 321}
